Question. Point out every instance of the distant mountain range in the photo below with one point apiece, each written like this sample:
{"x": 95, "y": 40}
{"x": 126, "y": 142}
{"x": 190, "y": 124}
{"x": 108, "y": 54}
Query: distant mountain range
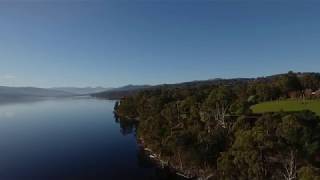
{"x": 81, "y": 91}
{"x": 8, "y": 94}
{"x": 117, "y": 93}
{"x": 24, "y": 93}
{"x": 130, "y": 87}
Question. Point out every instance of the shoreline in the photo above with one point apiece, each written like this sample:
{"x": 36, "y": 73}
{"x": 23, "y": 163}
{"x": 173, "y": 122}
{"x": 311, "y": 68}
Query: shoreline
{"x": 162, "y": 163}
{"x": 158, "y": 161}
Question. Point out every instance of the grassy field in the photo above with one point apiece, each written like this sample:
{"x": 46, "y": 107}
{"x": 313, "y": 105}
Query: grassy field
{"x": 287, "y": 105}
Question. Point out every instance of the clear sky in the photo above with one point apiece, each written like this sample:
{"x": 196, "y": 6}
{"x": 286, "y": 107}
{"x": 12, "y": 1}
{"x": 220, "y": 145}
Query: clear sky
{"x": 48, "y": 43}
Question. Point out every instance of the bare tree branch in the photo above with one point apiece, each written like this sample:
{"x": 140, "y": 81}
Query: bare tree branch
{"x": 220, "y": 114}
{"x": 290, "y": 167}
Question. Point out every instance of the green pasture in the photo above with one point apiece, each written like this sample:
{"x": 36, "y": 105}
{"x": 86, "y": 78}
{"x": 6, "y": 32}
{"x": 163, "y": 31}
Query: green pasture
{"x": 287, "y": 105}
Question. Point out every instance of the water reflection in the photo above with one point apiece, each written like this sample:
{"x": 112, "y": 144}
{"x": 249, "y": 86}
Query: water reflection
{"x": 7, "y": 114}
{"x": 72, "y": 138}
{"x": 129, "y": 127}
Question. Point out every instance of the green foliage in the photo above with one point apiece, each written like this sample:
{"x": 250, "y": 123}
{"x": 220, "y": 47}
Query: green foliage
{"x": 258, "y": 151}
{"x": 183, "y": 126}
{"x": 289, "y": 82}
{"x": 308, "y": 173}
{"x": 127, "y": 108}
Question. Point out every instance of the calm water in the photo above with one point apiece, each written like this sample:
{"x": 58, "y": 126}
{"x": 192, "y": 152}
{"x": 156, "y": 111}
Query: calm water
{"x": 69, "y": 139}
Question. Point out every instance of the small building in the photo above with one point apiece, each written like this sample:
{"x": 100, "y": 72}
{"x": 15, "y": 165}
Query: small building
{"x": 316, "y": 93}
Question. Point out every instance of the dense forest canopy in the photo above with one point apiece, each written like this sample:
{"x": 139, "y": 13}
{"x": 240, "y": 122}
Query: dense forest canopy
{"x": 208, "y": 129}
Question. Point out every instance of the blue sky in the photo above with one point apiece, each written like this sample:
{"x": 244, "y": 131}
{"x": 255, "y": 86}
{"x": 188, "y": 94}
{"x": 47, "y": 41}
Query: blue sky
{"x": 114, "y": 43}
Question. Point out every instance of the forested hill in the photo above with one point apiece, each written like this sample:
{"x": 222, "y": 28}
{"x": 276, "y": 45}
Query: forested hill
{"x": 118, "y": 93}
{"x": 208, "y": 130}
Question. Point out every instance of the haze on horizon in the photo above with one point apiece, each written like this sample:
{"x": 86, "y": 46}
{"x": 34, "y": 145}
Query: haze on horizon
{"x": 110, "y": 44}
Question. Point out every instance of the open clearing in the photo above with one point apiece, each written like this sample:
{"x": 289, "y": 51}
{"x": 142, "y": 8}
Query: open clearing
{"x": 287, "y": 105}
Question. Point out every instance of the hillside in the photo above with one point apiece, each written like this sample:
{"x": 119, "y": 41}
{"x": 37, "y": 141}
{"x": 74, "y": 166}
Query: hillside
{"x": 29, "y": 92}
{"x": 208, "y": 130}
{"x": 118, "y": 93}
{"x": 81, "y": 91}
{"x": 129, "y": 90}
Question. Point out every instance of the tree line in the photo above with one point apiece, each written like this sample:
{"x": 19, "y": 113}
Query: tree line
{"x": 209, "y": 131}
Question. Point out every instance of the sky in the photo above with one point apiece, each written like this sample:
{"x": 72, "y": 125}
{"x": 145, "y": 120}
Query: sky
{"x": 50, "y": 43}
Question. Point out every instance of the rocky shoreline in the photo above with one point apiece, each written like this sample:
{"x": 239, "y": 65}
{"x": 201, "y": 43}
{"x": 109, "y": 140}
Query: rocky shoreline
{"x": 161, "y": 163}
{"x": 166, "y": 164}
